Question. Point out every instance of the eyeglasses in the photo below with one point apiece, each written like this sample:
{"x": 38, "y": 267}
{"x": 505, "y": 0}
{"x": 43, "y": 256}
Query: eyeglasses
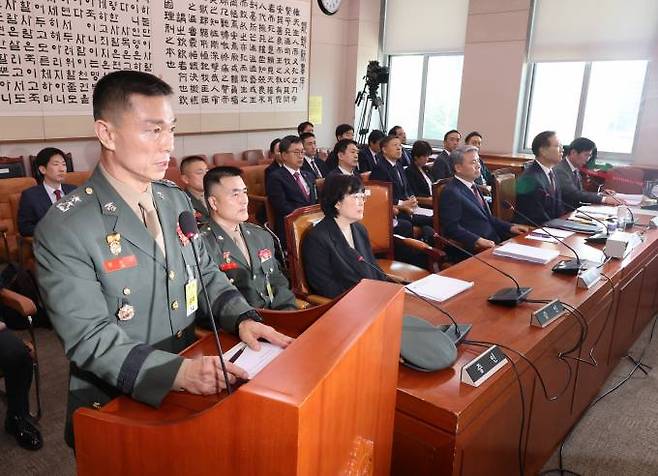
{"x": 359, "y": 197}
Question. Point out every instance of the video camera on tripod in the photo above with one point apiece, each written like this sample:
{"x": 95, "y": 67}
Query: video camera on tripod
{"x": 376, "y": 75}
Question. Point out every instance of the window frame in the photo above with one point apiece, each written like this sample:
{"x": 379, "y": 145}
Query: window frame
{"x": 612, "y": 157}
{"x": 423, "y": 94}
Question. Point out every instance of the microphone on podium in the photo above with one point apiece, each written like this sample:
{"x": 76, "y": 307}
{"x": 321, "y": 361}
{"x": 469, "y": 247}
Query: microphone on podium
{"x": 565, "y": 266}
{"x": 189, "y": 228}
{"x": 502, "y": 297}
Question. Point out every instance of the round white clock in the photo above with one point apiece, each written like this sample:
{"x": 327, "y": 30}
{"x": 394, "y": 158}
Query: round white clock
{"x": 329, "y": 7}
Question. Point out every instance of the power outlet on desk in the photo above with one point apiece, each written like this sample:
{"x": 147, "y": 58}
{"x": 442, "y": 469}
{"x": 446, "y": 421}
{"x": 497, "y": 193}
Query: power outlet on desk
{"x": 547, "y": 314}
{"x": 478, "y": 370}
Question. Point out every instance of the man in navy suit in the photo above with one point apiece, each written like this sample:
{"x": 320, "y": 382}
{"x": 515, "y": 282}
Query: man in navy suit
{"x": 399, "y": 132}
{"x": 538, "y": 193}
{"x": 35, "y": 201}
{"x": 465, "y": 216}
{"x": 312, "y": 163}
{"x": 289, "y": 187}
{"x": 443, "y": 167}
{"x": 347, "y": 152}
{"x": 343, "y": 131}
{"x": 370, "y": 154}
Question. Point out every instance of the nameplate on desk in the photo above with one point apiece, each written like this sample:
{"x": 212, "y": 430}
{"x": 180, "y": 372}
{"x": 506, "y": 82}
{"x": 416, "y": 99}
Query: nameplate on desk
{"x": 478, "y": 370}
{"x": 547, "y": 314}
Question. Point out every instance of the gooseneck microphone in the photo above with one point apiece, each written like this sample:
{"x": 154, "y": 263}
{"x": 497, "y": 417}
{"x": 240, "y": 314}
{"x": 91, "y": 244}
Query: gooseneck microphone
{"x": 455, "y": 333}
{"x": 564, "y": 266}
{"x": 601, "y": 237}
{"x": 503, "y": 297}
{"x": 189, "y": 228}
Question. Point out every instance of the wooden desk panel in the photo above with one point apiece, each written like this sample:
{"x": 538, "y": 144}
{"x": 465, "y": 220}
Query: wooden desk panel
{"x": 436, "y": 413}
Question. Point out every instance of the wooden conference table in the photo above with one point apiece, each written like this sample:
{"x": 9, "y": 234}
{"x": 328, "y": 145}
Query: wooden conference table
{"x": 444, "y": 427}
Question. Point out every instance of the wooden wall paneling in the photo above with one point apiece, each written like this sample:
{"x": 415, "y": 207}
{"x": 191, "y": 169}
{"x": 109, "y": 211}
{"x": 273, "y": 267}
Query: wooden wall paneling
{"x": 623, "y": 333}
{"x": 646, "y": 308}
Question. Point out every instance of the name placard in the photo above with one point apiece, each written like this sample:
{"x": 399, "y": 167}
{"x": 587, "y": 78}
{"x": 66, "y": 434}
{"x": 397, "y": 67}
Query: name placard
{"x": 547, "y": 314}
{"x": 478, "y": 370}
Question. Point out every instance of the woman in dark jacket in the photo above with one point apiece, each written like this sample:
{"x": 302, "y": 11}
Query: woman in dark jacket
{"x": 336, "y": 252}
{"x": 419, "y": 180}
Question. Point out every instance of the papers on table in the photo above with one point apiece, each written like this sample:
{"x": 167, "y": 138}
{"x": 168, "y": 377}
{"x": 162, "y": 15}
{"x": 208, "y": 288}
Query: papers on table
{"x": 542, "y": 234}
{"x": 599, "y": 210}
{"x": 526, "y": 253}
{"x": 630, "y": 198}
{"x": 426, "y": 212}
{"x": 253, "y": 361}
{"x": 439, "y": 288}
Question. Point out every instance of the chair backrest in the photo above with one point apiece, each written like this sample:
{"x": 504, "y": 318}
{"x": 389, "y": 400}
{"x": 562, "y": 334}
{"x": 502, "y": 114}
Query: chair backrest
{"x": 173, "y": 174}
{"x": 265, "y": 161}
{"x": 10, "y": 195}
{"x": 365, "y": 176}
{"x": 221, "y": 158}
{"x": 504, "y": 189}
{"x": 11, "y": 167}
{"x": 437, "y": 190}
{"x": 173, "y": 162}
{"x": 254, "y": 179}
{"x": 378, "y": 217}
{"x": 625, "y": 179}
{"x": 319, "y": 185}
{"x": 253, "y": 156}
{"x": 77, "y": 178}
{"x": 68, "y": 158}
{"x": 297, "y": 225}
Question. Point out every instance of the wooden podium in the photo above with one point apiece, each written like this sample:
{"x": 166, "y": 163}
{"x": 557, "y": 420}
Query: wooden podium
{"x": 325, "y": 406}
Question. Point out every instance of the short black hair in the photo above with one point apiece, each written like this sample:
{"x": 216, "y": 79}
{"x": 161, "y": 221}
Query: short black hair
{"x": 189, "y": 159}
{"x": 273, "y": 144}
{"x": 341, "y": 146}
{"x": 342, "y": 129}
{"x": 375, "y": 136}
{"x": 336, "y": 187}
{"x": 394, "y": 130}
{"x": 215, "y": 175}
{"x": 384, "y": 142}
{"x": 306, "y": 135}
{"x": 44, "y": 156}
{"x": 421, "y": 148}
{"x": 541, "y": 140}
{"x": 112, "y": 92}
{"x": 582, "y": 144}
{"x": 471, "y": 135}
{"x": 287, "y": 141}
{"x": 445, "y": 136}
{"x": 302, "y": 126}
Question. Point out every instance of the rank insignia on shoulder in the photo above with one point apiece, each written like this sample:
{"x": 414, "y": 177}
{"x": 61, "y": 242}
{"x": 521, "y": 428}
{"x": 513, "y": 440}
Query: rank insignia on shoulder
{"x": 110, "y": 207}
{"x": 126, "y": 312}
{"x": 66, "y": 205}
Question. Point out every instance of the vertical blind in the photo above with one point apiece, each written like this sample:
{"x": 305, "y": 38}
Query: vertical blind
{"x": 425, "y": 26}
{"x": 593, "y": 30}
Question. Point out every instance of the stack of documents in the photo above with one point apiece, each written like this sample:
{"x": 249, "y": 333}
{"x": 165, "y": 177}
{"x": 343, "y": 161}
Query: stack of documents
{"x": 630, "y": 199}
{"x": 544, "y": 234}
{"x": 599, "y": 211}
{"x": 250, "y": 360}
{"x": 526, "y": 253}
{"x": 439, "y": 288}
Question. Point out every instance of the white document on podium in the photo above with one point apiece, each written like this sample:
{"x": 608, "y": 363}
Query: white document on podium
{"x": 526, "y": 253}
{"x": 250, "y": 360}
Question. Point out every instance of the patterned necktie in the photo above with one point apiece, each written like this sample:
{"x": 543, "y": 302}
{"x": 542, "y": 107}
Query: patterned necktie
{"x": 315, "y": 168}
{"x": 300, "y": 184}
{"x": 551, "y": 177}
{"x": 475, "y": 191}
{"x": 579, "y": 182}
{"x": 58, "y": 194}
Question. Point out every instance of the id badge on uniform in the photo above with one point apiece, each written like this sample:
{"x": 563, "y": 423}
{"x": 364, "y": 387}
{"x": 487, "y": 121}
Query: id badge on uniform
{"x": 191, "y": 293}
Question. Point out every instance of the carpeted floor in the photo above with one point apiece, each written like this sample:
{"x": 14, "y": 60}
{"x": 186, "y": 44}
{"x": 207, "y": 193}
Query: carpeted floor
{"x": 616, "y": 437}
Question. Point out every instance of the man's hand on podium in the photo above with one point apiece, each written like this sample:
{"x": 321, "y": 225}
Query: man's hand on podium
{"x": 203, "y": 376}
{"x": 250, "y": 331}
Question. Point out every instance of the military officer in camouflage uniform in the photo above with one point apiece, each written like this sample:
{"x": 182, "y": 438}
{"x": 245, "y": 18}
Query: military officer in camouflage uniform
{"x": 245, "y": 252}
{"x": 118, "y": 278}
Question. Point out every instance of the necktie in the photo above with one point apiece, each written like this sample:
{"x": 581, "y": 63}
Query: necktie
{"x": 552, "y": 180}
{"x": 58, "y": 194}
{"x": 240, "y": 243}
{"x": 475, "y": 191}
{"x": 579, "y": 183}
{"x": 315, "y": 168}
{"x": 300, "y": 184}
{"x": 151, "y": 220}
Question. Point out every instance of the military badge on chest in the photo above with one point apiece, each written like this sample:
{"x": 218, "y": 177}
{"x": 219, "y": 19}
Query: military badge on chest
{"x": 113, "y": 241}
{"x": 126, "y": 311}
{"x": 227, "y": 262}
{"x": 184, "y": 240}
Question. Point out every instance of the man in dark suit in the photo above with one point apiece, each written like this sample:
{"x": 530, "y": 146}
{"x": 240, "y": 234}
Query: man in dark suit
{"x": 289, "y": 187}
{"x": 400, "y": 133}
{"x": 35, "y": 201}
{"x": 305, "y": 127}
{"x": 347, "y": 152}
{"x": 442, "y": 167}
{"x": 243, "y": 251}
{"x": 275, "y": 155}
{"x": 192, "y": 171}
{"x": 370, "y": 153}
{"x": 343, "y": 131}
{"x": 16, "y": 365}
{"x": 465, "y": 216}
{"x": 312, "y": 163}
{"x": 538, "y": 193}
{"x": 567, "y": 173}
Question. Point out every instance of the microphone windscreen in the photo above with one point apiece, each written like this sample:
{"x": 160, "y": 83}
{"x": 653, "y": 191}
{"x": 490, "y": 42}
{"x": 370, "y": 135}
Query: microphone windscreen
{"x": 187, "y": 224}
